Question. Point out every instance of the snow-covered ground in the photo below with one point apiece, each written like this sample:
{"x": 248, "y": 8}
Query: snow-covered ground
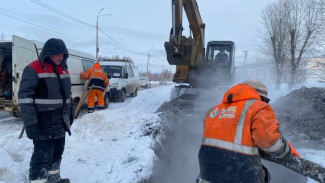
{"x": 316, "y": 155}
{"x": 114, "y": 145}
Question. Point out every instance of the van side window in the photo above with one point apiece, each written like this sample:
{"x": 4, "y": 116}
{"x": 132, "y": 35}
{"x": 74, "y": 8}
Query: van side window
{"x": 87, "y": 64}
{"x": 131, "y": 74}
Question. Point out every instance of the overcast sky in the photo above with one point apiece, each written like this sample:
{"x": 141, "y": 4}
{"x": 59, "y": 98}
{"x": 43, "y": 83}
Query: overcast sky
{"x": 134, "y": 26}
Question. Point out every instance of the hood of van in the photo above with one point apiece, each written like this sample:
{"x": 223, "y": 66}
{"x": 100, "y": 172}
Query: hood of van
{"x": 113, "y": 83}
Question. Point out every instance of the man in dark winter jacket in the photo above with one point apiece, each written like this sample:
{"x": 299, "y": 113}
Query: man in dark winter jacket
{"x": 47, "y": 110}
{"x": 222, "y": 58}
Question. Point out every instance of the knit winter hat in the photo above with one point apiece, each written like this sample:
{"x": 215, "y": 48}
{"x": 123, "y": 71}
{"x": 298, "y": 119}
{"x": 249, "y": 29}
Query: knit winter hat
{"x": 258, "y": 86}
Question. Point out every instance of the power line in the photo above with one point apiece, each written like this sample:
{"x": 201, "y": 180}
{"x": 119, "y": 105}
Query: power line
{"x": 80, "y": 21}
{"x": 34, "y": 24}
{"x": 61, "y": 13}
{"x": 158, "y": 58}
{"x": 123, "y": 48}
{"x": 127, "y": 49}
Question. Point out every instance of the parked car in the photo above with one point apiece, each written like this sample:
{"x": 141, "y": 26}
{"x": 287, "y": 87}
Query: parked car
{"x": 123, "y": 78}
{"x": 144, "y": 82}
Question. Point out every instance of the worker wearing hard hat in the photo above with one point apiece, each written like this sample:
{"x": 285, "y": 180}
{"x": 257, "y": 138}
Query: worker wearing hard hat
{"x": 234, "y": 132}
{"x": 98, "y": 81}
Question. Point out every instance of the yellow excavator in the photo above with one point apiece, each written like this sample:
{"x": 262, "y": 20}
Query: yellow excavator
{"x": 194, "y": 66}
{"x": 197, "y": 68}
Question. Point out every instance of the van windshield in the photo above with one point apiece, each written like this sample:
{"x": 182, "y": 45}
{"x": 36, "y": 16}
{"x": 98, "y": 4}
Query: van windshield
{"x": 113, "y": 71}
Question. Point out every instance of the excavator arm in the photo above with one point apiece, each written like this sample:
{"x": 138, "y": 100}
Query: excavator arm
{"x": 187, "y": 53}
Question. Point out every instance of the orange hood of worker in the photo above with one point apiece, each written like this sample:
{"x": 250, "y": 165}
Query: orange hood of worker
{"x": 97, "y": 66}
{"x": 240, "y": 92}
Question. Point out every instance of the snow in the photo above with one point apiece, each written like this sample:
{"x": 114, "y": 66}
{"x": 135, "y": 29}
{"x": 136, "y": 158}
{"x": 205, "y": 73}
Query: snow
{"x": 113, "y": 145}
{"x": 317, "y": 156}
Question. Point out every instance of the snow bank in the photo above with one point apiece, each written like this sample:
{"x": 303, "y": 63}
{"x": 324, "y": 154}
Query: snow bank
{"x": 114, "y": 145}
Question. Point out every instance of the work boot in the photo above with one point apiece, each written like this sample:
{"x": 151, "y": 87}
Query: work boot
{"x": 91, "y": 109}
{"x": 54, "y": 174}
{"x": 63, "y": 181}
{"x": 40, "y": 178}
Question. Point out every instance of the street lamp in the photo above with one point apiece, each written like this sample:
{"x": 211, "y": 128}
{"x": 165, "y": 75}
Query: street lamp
{"x": 148, "y": 59}
{"x": 97, "y": 49}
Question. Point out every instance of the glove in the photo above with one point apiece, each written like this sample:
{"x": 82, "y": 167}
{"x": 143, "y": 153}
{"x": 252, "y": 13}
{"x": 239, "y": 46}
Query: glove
{"x": 32, "y": 131}
{"x": 81, "y": 75}
{"x": 293, "y": 150}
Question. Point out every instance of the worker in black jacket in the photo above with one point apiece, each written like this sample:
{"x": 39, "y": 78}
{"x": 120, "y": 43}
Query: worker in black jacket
{"x": 47, "y": 110}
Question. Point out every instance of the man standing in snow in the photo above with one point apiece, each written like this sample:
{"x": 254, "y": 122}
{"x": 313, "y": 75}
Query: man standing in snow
{"x": 234, "y": 132}
{"x": 99, "y": 81}
{"x": 47, "y": 110}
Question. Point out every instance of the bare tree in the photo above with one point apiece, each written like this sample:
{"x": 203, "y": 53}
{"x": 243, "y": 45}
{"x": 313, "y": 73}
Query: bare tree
{"x": 274, "y": 35}
{"x": 304, "y": 26}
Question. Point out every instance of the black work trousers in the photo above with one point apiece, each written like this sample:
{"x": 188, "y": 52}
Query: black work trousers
{"x": 46, "y": 153}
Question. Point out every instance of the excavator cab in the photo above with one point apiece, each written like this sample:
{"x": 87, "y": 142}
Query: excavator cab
{"x": 219, "y": 61}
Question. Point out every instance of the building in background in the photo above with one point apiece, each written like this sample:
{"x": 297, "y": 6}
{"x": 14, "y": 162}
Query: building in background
{"x": 314, "y": 70}
{"x": 264, "y": 71}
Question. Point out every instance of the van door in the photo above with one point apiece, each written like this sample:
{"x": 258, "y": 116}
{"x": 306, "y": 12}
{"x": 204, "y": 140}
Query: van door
{"x": 123, "y": 82}
{"x": 131, "y": 83}
{"x": 23, "y": 53}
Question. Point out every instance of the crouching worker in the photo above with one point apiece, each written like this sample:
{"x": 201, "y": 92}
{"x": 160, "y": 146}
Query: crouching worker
{"x": 47, "y": 110}
{"x": 234, "y": 132}
{"x": 99, "y": 81}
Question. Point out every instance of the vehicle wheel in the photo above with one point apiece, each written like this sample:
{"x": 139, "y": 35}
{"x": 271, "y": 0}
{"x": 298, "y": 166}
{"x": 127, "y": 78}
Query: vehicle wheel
{"x": 122, "y": 96}
{"x": 135, "y": 93}
{"x": 106, "y": 101}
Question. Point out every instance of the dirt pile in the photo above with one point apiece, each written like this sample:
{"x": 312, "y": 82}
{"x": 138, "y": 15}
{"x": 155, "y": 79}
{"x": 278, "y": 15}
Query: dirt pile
{"x": 301, "y": 114}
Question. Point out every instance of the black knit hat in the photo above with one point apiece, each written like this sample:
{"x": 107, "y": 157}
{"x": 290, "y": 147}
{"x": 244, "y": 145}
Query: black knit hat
{"x": 53, "y": 47}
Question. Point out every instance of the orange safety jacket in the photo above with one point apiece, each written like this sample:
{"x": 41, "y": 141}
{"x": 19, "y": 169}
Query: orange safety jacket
{"x": 234, "y": 130}
{"x": 97, "y": 77}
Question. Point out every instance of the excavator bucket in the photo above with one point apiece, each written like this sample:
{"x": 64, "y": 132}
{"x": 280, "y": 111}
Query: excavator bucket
{"x": 184, "y": 56}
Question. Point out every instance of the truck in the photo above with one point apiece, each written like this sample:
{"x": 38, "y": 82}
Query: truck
{"x": 123, "y": 77}
{"x": 19, "y": 52}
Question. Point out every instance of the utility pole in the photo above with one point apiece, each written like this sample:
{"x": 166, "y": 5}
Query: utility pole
{"x": 148, "y": 61}
{"x": 245, "y": 61}
{"x": 245, "y": 58}
{"x": 97, "y": 49}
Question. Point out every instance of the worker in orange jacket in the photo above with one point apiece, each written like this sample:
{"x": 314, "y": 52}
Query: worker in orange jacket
{"x": 99, "y": 81}
{"x": 234, "y": 133}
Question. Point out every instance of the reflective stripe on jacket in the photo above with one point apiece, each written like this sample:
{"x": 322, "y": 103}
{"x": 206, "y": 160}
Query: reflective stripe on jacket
{"x": 233, "y": 132}
{"x": 97, "y": 77}
{"x": 39, "y": 91}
